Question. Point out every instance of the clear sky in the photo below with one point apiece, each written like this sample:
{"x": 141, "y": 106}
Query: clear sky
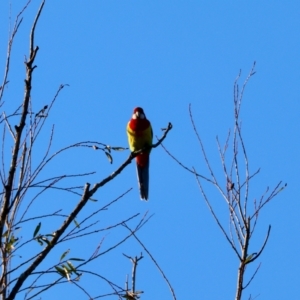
{"x": 162, "y": 56}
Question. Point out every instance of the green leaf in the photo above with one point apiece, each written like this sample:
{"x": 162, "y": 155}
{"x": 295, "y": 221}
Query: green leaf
{"x": 66, "y": 272}
{"x": 45, "y": 240}
{"x": 76, "y": 259}
{"x": 248, "y": 258}
{"x": 37, "y": 229}
{"x": 118, "y": 148}
{"x": 72, "y": 268}
{"x": 61, "y": 271}
{"x": 10, "y": 245}
{"x": 64, "y": 254}
{"x": 68, "y": 269}
{"x": 5, "y": 234}
{"x": 109, "y": 157}
{"x": 76, "y": 223}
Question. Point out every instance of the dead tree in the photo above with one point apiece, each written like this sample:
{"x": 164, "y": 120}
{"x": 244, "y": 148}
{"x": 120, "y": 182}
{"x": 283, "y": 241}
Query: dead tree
{"x": 234, "y": 189}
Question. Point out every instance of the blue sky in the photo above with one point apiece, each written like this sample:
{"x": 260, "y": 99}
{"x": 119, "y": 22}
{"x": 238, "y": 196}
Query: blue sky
{"x": 162, "y": 56}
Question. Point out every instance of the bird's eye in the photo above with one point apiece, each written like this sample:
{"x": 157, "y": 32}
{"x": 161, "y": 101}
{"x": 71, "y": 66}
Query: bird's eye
{"x": 142, "y": 116}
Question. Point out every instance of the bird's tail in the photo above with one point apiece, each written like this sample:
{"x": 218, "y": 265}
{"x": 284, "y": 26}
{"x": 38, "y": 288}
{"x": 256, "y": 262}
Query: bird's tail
{"x": 143, "y": 179}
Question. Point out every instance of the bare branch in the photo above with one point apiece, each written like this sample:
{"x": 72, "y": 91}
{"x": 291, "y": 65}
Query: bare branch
{"x": 9, "y": 48}
{"x": 134, "y": 261}
{"x": 72, "y": 232}
{"x": 186, "y": 168}
{"x": 31, "y": 50}
{"x": 202, "y": 147}
{"x": 252, "y": 277}
{"x": 16, "y": 148}
{"x": 263, "y": 246}
{"x": 155, "y": 262}
{"x": 217, "y": 220}
{"x": 9, "y": 127}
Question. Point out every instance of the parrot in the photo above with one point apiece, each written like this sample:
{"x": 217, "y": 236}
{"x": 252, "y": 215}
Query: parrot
{"x": 140, "y": 134}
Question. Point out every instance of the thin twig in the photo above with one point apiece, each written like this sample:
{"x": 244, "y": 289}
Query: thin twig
{"x": 9, "y": 48}
{"x": 252, "y": 277}
{"x": 183, "y": 166}
{"x": 155, "y": 262}
{"x": 262, "y": 248}
{"x": 217, "y": 220}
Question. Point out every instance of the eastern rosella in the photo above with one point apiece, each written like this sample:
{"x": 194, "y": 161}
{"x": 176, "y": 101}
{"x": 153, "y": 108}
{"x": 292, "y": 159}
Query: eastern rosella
{"x": 140, "y": 134}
